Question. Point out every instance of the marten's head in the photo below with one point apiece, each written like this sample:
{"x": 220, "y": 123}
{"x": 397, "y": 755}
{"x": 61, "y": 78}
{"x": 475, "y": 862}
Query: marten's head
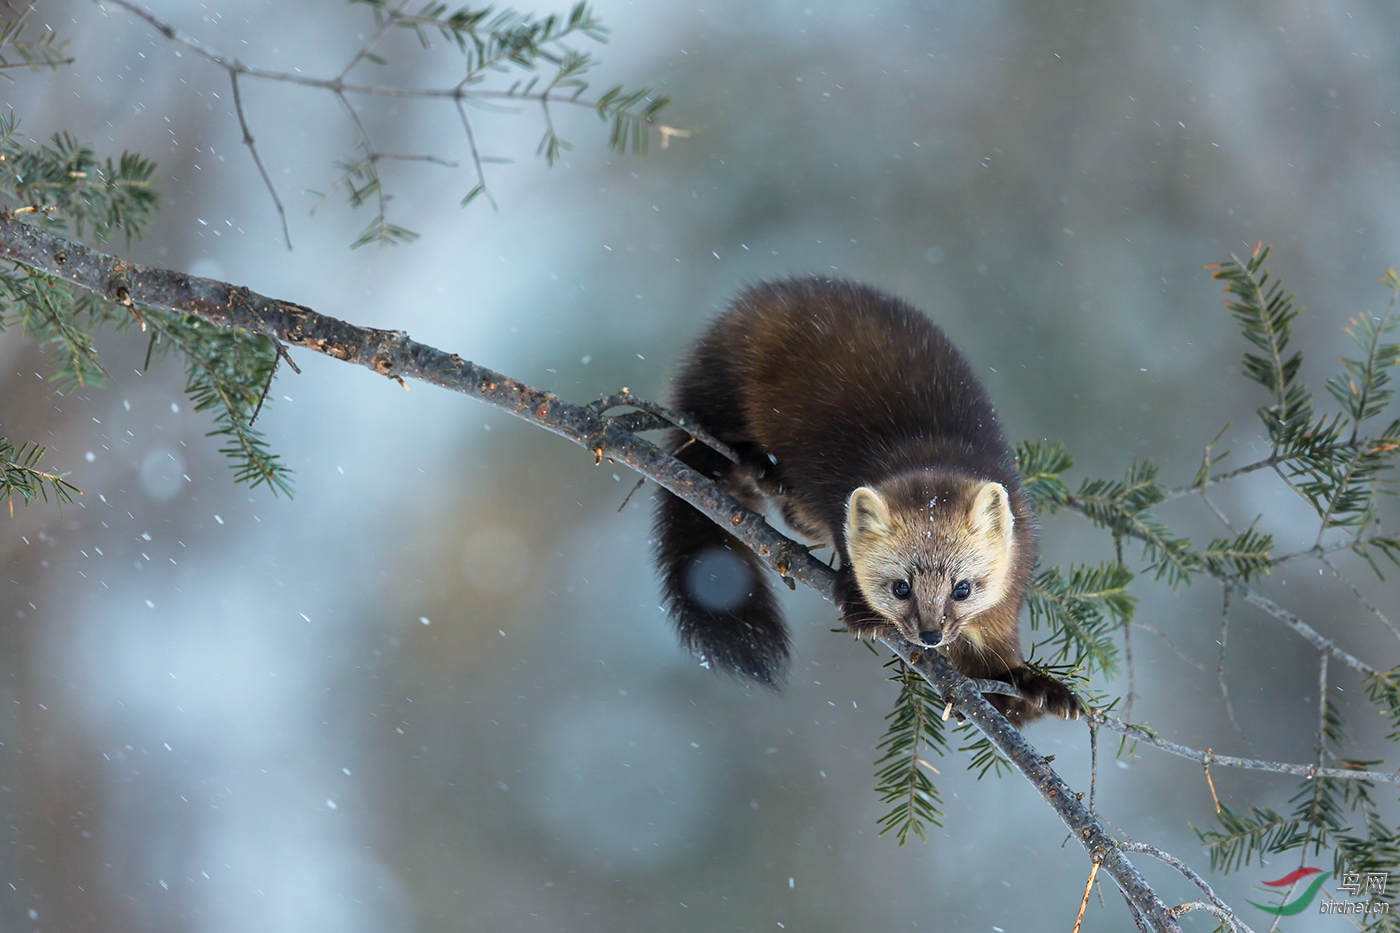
{"x": 931, "y": 552}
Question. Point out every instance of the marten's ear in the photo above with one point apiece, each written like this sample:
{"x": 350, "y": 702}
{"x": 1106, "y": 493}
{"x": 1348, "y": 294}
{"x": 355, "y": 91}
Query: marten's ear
{"x": 867, "y": 515}
{"x": 991, "y": 516}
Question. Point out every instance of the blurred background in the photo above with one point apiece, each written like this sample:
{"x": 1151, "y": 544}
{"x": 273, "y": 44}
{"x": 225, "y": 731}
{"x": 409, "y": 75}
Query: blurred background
{"x": 434, "y": 691}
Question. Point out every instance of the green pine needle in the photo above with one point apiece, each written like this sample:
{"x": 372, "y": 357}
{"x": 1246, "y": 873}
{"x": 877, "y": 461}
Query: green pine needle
{"x": 228, "y": 371}
{"x": 901, "y": 777}
{"x": 1123, "y": 508}
{"x": 1081, "y": 611}
{"x": 1265, "y": 315}
{"x": 1041, "y": 463}
{"x": 20, "y": 476}
{"x": 1246, "y": 555}
{"x": 1241, "y": 837}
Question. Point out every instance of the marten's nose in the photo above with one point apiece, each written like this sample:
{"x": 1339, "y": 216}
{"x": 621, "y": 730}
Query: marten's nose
{"x": 931, "y": 637}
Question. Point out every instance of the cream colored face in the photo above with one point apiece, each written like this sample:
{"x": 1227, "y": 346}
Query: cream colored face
{"x": 931, "y": 570}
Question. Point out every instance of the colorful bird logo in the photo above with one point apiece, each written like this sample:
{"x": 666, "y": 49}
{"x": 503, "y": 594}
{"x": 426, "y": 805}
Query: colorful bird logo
{"x": 1301, "y": 902}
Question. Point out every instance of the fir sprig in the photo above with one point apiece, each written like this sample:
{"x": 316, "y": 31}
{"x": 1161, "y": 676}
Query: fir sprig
{"x": 45, "y": 310}
{"x": 1383, "y": 690}
{"x": 1082, "y": 610}
{"x": 1247, "y": 555}
{"x": 508, "y": 57}
{"x": 1364, "y": 389}
{"x": 1376, "y": 852}
{"x": 1265, "y": 315}
{"x": 901, "y": 777}
{"x": 21, "y": 476}
{"x": 488, "y": 40}
{"x": 1124, "y": 508}
{"x": 90, "y": 193}
{"x": 1341, "y": 477}
{"x": 982, "y": 754}
{"x": 228, "y": 371}
{"x": 1243, "y": 837}
{"x": 1041, "y": 463}
{"x": 45, "y": 52}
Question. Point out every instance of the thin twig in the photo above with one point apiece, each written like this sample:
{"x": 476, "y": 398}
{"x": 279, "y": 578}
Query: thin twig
{"x": 1316, "y": 551}
{"x": 1093, "y": 763}
{"x": 476, "y": 156}
{"x": 458, "y": 93}
{"x": 1191, "y": 876}
{"x": 1225, "y": 915}
{"x": 373, "y": 164}
{"x": 287, "y": 357}
{"x": 1193, "y": 489}
{"x": 1084, "y": 901}
{"x": 390, "y": 17}
{"x": 1210, "y": 781}
{"x": 1220, "y": 664}
{"x": 1322, "y": 707}
{"x": 632, "y": 492}
{"x": 262, "y": 397}
{"x": 1224, "y": 519}
{"x": 624, "y": 398}
{"x": 1140, "y": 734}
{"x": 257, "y": 159}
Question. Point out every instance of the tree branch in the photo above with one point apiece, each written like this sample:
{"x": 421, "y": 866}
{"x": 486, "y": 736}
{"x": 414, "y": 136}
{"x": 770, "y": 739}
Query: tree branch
{"x": 394, "y": 355}
{"x": 1208, "y": 757}
{"x": 1254, "y": 598}
{"x": 610, "y": 104}
{"x": 1225, "y": 912}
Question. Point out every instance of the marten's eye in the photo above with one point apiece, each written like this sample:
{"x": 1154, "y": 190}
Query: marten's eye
{"x": 963, "y": 590}
{"x": 900, "y": 589}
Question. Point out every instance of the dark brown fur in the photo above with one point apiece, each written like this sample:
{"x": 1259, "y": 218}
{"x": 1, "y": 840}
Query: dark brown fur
{"x": 822, "y": 387}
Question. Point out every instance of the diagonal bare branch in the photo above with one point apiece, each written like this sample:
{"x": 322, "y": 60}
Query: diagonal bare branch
{"x": 394, "y": 355}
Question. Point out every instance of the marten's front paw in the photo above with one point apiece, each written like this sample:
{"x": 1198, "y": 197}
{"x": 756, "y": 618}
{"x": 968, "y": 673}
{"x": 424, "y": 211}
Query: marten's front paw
{"x": 860, "y": 619}
{"x": 864, "y": 622}
{"x": 1046, "y": 694}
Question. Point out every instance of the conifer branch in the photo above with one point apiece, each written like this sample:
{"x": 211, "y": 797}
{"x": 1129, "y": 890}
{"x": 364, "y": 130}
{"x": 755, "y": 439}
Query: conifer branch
{"x": 490, "y": 42}
{"x": 20, "y": 476}
{"x": 45, "y": 52}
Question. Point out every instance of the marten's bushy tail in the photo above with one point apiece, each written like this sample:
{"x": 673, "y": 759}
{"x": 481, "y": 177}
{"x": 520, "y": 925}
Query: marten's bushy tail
{"x": 714, "y": 587}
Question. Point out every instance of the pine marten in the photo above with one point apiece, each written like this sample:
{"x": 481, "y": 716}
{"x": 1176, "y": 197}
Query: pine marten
{"x": 859, "y": 418}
